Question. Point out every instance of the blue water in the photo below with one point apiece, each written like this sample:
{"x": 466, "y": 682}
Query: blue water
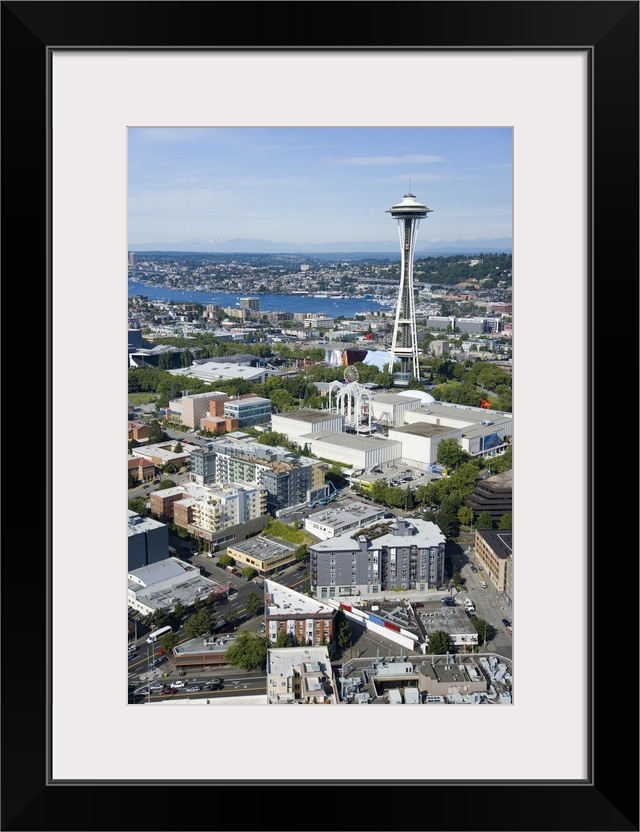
{"x": 268, "y": 303}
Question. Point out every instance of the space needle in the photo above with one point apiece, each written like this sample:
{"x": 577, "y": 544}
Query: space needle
{"x": 404, "y": 345}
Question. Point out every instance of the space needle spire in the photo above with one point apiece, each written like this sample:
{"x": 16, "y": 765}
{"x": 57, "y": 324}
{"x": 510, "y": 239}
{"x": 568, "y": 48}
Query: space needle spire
{"x": 404, "y": 345}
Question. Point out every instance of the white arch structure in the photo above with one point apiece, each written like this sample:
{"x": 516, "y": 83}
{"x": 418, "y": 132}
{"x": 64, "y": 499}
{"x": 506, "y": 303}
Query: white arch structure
{"x": 353, "y": 401}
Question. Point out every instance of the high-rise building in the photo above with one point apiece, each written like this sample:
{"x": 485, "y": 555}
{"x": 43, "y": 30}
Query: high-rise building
{"x": 252, "y": 304}
{"x": 404, "y": 345}
{"x": 132, "y": 260}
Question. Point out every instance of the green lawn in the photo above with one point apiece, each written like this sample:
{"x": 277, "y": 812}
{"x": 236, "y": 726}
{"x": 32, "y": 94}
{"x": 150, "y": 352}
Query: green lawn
{"x": 142, "y": 398}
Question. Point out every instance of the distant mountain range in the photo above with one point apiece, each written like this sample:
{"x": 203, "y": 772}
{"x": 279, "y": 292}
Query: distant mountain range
{"x": 241, "y": 245}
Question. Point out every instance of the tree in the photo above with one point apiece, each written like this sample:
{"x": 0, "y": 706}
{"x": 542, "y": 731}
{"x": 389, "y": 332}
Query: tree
{"x": 248, "y": 651}
{"x": 179, "y": 610}
{"x": 505, "y": 521}
{"x": 168, "y": 641}
{"x": 165, "y": 361}
{"x": 138, "y": 505}
{"x": 166, "y": 483}
{"x": 177, "y": 449}
{"x": 450, "y": 453}
{"x": 156, "y": 433}
{"x": 447, "y": 517}
{"x": 465, "y": 515}
{"x": 439, "y": 643}
{"x": 248, "y": 572}
{"x": 253, "y": 603}
{"x": 284, "y": 639}
{"x": 230, "y": 617}
{"x": 133, "y": 443}
{"x": 198, "y": 624}
{"x": 170, "y": 467}
{"x": 302, "y": 552}
{"x": 156, "y": 619}
{"x": 131, "y": 481}
{"x": 408, "y": 500}
{"x": 342, "y": 628}
{"x": 226, "y": 560}
{"x": 484, "y": 629}
{"x": 484, "y": 521}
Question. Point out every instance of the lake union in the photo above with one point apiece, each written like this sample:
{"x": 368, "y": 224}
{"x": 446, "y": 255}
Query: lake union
{"x": 332, "y": 307}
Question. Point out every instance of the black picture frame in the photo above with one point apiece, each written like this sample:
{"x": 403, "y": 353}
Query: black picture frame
{"x": 608, "y": 798}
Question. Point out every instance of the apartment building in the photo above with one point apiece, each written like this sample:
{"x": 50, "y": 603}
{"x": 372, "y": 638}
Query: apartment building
{"x": 215, "y": 515}
{"x": 304, "y": 619}
{"x": 288, "y": 478}
{"x": 409, "y": 556}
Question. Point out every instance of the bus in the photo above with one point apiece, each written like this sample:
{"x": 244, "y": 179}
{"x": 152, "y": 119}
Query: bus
{"x": 153, "y": 637}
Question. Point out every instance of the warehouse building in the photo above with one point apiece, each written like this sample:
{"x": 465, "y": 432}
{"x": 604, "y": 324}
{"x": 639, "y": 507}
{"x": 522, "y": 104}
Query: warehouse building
{"x": 297, "y": 423}
{"x": 352, "y": 449}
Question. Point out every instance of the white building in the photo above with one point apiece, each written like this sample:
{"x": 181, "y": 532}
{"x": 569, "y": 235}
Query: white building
{"x": 296, "y": 423}
{"x": 300, "y": 675}
{"x": 352, "y": 449}
{"x": 390, "y": 408}
{"x": 420, "y": 442}
{"x": 483, "y": 432}
{"x": 160, "y": 586}
{"x": 331, "y": 521}
{"x": 215, "y": 371}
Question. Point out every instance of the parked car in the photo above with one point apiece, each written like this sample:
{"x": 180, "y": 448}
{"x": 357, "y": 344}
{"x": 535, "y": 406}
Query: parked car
{"x": 483, "y": 584}
{"x": 167, "y": 692}
{"x": 193, "y": 689}
{"x": 178, "y": 684}
{"x": 505, "y": 623}
{"x": 156, "y": 686}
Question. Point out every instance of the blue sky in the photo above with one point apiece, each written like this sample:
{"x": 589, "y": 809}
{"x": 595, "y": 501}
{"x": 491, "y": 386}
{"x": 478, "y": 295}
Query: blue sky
{"x": 316, "y": 185}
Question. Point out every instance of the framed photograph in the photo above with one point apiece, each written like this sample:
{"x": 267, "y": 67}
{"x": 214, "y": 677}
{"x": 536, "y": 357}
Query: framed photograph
{"x": 564, "y": 78}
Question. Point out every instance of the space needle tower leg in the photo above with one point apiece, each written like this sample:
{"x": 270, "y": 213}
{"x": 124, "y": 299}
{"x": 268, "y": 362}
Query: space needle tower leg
{"x": 404, "y": 345}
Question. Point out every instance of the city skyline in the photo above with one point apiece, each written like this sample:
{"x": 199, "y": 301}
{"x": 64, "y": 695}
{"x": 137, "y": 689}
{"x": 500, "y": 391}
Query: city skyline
{"x": 316, "y": 185}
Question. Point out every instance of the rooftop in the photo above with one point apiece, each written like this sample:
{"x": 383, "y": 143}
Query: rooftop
{"x": 394, "y": 398}
{"x": 349, "y": 440}
{"x": 282, "y": 662}
{"x": 425, "y": 429}
{"x": 262, "y": 548}
{"x": 308, "y": 415}
{"x": 283, "y": 601}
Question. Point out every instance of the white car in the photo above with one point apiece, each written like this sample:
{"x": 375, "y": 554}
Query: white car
{"x": 178, "y": 684}
{"x": 483, "y": 584}
{"x": 193, "y": 689}
{"x": 156, "y": 686}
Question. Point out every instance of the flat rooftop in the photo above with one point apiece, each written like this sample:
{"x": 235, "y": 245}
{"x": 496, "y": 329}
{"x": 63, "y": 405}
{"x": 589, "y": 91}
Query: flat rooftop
{"x": 446, "y": 619}
{"x": 394, "y": 398}
{"x": 351, "y": 513}
{"x": 204, "y": 644}
{"x": 425, "y": 429}
{"x": 500, "y": 541}
{"x": 312, "y": 659}
{"x": 308, "y": 415}
{"x": 262, "y": 548}
{"x": 349, "y": 440}
{"x": 281, "y": 600}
